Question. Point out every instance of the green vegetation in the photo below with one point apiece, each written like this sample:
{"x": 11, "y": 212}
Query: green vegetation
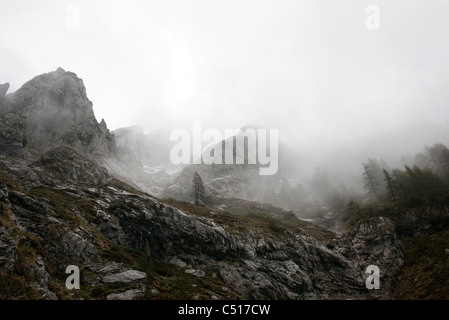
{"x": 170, "y": 281}
{"x": 423, "y": 183}
{"x": 425, "y": 274}
{"x": 266, "y": 220}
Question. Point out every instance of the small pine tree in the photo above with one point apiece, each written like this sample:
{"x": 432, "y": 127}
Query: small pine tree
{"x": 373, "y": 178}
{"x": 199, "y": 191}
{"x": 392, "y": 186}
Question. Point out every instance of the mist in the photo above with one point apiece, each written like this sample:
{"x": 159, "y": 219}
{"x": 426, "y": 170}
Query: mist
{"x": 338, "y": 91}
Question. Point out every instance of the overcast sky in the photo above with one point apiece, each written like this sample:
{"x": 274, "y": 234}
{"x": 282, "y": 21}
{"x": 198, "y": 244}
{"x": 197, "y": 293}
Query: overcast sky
{"x": 310, "y": 68}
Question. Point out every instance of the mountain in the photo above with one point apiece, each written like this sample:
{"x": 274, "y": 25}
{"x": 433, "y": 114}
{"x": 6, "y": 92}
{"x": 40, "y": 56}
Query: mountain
{"x": 63, "y": 210}
{"x": 241, "y": 179}
{"x": 66, "y": 199}
{"x": 56, "y": 111}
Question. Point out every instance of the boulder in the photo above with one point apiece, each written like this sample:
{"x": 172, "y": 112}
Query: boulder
{"x": 127, "y": 295}
{"x": 128, "y": 276}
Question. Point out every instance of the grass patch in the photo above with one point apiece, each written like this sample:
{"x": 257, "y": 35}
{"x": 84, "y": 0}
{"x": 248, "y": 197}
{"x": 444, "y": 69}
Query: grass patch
{"x": 171, "y": 281}
{"x": 271, "y": 224}
{"x": 14, "y": 286}
{"x": 425, "y": 273}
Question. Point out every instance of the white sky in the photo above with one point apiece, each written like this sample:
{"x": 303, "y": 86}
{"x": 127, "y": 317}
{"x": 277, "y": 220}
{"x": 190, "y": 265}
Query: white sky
{"x": 308, "y": 68}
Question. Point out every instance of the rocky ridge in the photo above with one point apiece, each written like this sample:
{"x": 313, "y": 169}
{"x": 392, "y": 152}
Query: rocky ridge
{"x": 60, "y": 207}
{"x": 52, "y": 110}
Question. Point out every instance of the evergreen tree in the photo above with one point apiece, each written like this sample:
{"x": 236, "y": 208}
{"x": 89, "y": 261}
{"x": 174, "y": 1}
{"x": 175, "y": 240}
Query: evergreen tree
{"x": 439, "y": 158}
{"x": 373, "y": 177}
{"x": 392, "y": 185}
{"x": 199, "y": 191}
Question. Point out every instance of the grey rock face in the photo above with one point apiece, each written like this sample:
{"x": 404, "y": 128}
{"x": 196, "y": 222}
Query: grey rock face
{"x": 42, "y": 277}
{"x": 12, "y": 133}
{"x": 8, "y": 249}
{"x": 67, "y": 165}
{"x": 374, "y": 242}
{"x": 3, "y": 90}
{"x": 57, "y": 113}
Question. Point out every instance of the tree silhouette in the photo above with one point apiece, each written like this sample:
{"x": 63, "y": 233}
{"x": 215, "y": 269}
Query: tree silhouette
{"x": 199, "y": 192}
{"x": 373, "y": 177}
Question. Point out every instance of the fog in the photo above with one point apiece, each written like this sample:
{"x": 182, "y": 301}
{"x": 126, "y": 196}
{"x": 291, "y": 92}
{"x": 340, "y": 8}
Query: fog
{"x": 337, "y": 90}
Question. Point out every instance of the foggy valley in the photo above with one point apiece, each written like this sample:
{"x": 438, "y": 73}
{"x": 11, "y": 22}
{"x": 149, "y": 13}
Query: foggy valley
{"x": 238, "y": 150}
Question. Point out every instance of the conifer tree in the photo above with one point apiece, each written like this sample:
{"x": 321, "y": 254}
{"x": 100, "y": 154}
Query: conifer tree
{"x": 199, "y": 191}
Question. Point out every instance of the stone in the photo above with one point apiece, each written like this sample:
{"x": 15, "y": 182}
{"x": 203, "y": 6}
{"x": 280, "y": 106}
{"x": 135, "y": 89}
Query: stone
{"x": 127, "y": 295}
{"x": 177, "y": 262}
{"x": 111, "y": 267}
{"x": 155, "y": 292}
{"x": 42, "y": 277}
{"x": 128, "y": 276}
{"x": 196, "y": 273}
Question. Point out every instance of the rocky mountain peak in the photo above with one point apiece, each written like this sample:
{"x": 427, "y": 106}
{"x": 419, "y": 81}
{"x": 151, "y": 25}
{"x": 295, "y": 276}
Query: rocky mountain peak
{"x": 4, "y": 89}
{"x": 59, "y": 113}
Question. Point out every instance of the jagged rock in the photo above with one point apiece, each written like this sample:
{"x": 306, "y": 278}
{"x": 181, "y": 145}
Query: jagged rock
{"x": 8, "y": 250}
{"x": 128, "y": 276}
{"x": 446, "y": 252}
{"x": 127, "y": 295}
{"x": 111, "y": 267}
{"x": 3, "y": 89}
{"x": 66, "y": 164}
{"x": 42, "y": 277}
{"x": 57, "y": 113}
{"x": 77, "y": 246}
{"x": 12, "y": 134}
{"x": 374, "y": 242}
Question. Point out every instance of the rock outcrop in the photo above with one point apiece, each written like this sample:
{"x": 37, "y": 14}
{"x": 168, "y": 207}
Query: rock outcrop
{"x": 3, "y": 90}
{"x": 57, "y": 112}
{"x": 61, "y": 207}
{"x": 12, "y": 133}
{"x": 256, "y": 265}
